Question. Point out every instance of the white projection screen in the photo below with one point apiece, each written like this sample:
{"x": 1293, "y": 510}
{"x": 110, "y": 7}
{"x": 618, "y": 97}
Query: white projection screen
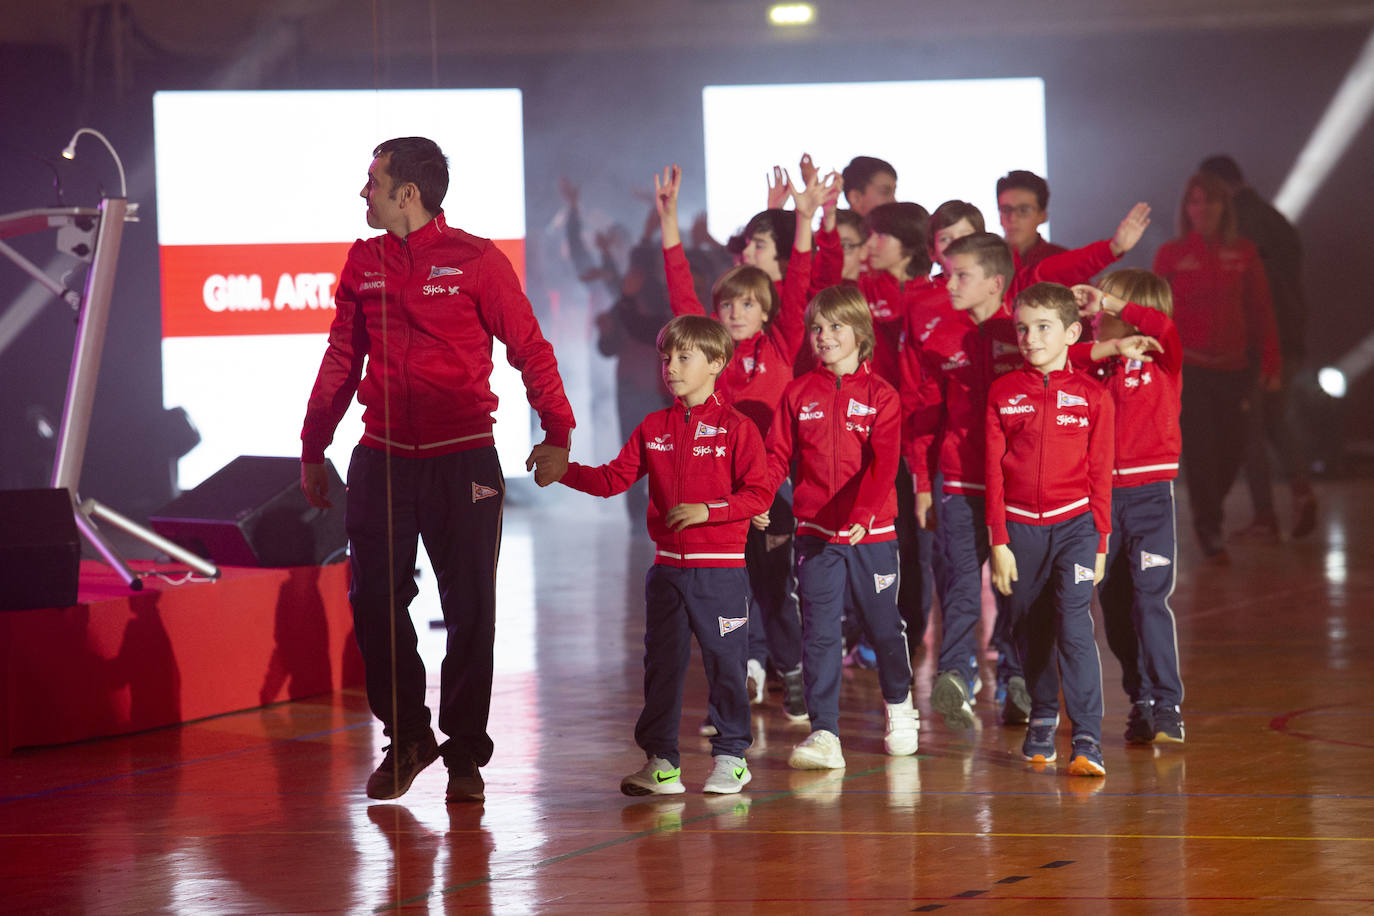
{"x": 257, "y": 205}
{"x": 946, "y": 139}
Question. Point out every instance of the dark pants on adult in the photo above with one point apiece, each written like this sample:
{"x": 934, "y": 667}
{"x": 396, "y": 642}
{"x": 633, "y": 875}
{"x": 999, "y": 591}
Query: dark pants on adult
{"x": 453, "y": 503}
{"x": 831, "y": 577}
{"x": 711, "y": 604}
{"x": 1215, "y": 437}
{"x": 1141, "y": 568}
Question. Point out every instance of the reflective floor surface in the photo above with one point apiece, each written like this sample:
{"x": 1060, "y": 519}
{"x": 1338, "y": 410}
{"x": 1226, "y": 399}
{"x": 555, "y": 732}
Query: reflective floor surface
{"x": 1269, "y": 807}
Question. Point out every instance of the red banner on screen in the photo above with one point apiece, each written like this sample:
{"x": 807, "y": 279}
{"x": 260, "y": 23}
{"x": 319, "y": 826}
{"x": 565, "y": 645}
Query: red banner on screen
{"x": 216, "y": 290}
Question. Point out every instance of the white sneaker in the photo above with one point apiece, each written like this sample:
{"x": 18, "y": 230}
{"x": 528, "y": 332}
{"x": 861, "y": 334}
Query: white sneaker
{"x": 903, "y": 728}
{"x": 754, "y": 678}
{"x": 730, "y": 775}
{"x": 707, "y": 728}
{"x": 820, "y": 751}
{"x": 656, "y": 777}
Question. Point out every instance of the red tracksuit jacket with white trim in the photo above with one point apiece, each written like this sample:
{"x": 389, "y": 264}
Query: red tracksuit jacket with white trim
{"x": 1147, "y": 397}
{"x": 844, "y": 435}
{"x": 708, "y": 454}
{"x": 761, "y": 366}
{"x": 444, "y": 295}
{"x": 1049, "y": 451}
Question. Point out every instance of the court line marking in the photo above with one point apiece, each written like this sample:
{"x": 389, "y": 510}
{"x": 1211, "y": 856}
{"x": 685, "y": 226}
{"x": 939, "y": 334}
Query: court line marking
{"x": 621, "y": 840}
{"x": 1280, "y": 724}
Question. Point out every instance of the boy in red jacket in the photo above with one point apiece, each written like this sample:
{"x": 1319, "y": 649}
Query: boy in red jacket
{"x": 1140, "y": 561}
{"x": 706, "y": 480}
{"x": 840, "y": 423}
{"x": 1049, "y": 489}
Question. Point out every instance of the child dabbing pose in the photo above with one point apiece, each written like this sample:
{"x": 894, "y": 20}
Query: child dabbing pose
{"x": 1049, "y": 489}
{"x": 706, "y": 480}
{"x": 840, "y": 423}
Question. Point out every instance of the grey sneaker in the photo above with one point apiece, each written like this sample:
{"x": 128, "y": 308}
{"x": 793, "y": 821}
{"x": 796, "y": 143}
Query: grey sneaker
{"x": 729, "y": 776}
{"x": 950, "y": 698}
{"x": 401, "y": 765}
{"x": 820, "y": 751}
{"x": 1016, "y": 706}
{"x": 656, "y": 777}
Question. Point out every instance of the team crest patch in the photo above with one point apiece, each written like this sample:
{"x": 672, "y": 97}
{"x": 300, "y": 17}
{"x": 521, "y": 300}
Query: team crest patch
{"x": 1071, "y": 400}
{"x": 481, "y": 492}
{"x": 730, "y": 624}
{"x": 859, "y": 410}
{"x": 1081, "y": 574}
{"x": 1151, "y": 560}
{"x": 444, "y": 272}
{"x": 705, "y": 431}
{"x": 883, "y": 582}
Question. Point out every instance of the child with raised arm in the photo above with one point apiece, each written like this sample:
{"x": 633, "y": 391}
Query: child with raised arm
{"x": 706, "y": 480}
{"x": 840, "y": 424}
{"x": 1049, "y": 490}
{"x": 766, "y": 333}
{"x": 1133, "y": 309}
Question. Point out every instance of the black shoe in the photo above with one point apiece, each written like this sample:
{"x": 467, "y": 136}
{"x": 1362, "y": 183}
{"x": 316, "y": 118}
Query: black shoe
{"x": 1140, "y": 723}
{"x": 465, "y": 783}
{"x": 1168, "y": 725}
{"x": 793, "y": 697}
{"x": 1304, "y": 514}
{"x": 398, "y": 769}
{"x": 1016, "y": 706}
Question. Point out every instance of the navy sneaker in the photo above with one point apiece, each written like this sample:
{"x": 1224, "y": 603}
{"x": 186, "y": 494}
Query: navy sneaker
{"x": 1140, "y": 723}
{"x": 1038, "y": 746}
{"x": 1087, "y": 758}
{"x": 1168, "y": 725}
{"x": 1016, "y": 705}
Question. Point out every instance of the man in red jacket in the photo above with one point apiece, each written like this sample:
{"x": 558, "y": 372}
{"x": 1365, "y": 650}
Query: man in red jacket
{"x": 418, "y": 307}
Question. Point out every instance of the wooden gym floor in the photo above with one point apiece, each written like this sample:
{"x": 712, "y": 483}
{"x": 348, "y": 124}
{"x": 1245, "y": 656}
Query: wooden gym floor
{"x": 1269, "y": 807}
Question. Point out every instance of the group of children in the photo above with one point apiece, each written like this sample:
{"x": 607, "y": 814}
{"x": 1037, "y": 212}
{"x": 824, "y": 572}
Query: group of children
{"x": 828, "y": 384}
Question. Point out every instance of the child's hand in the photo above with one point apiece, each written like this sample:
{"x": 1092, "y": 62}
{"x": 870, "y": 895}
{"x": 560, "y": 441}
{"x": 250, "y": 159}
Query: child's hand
{"x": 856, "y": 534}
{"x": 1130, "y": 230}
{"x": 834, "y": 183}
{"x": 1089, "y": 299}
{"x": 810, "y": 197}
{"x": 1004, "y": 568}
{"x": 760, "y": 521}
{"x": 684, "y": 515}
{"x": 779, "y": 186}
{"x": 1099, "y": 568}
{"x": 1138, "y": 346}
{"x": 807, "y": 168}
{"x": 925, "y": 518}
{"x": 665, "y": 192}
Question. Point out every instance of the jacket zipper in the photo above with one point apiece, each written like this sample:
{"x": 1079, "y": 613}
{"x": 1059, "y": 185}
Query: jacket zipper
{"x": 1044, "y": 433}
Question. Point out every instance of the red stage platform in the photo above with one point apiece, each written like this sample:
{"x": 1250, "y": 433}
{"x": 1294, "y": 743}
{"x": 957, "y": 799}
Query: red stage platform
{"x": 122, "y": 661}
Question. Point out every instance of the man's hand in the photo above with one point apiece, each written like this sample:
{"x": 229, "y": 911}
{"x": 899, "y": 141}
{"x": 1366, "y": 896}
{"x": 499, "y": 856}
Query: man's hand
{"x": 760, "y": 521}
{"x": 779, "y": 187}
{"x": 315, "y": 485}
{"x": 1131, "y": 228}
{"x": 1138, "y": 346}
{"x": 925, "y": 517}
{"x": 856, "y": 533}
{"x": 684, "y": 515}
{"x": 1099, "y": 568}
{"x": 549, "y": 463}
{"x": 1003, "y": 568}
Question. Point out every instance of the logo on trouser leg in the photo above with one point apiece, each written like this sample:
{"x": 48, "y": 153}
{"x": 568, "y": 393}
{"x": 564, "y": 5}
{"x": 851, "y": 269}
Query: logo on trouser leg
{"x": 1081, "y": 574}
{"x": 881, "y": 582}
{"x": 730, "y": 624}
{"x": 481, "y": 492}
{"x": 1151, "y": 560}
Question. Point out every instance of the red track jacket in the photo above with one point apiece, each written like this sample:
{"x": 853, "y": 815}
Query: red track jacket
{"x": 844, "y": 435}
{"x": 444, "y": 295}
{"x": 1049, "y": 451}
{"x": 709, "y": 454}
{"x": 1147, "y": 398}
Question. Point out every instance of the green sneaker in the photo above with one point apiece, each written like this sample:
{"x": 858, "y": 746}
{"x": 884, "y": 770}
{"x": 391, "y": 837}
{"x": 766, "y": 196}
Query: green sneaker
{"x": 656, "y": 777}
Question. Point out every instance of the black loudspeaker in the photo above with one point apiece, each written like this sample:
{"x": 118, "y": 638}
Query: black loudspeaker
{"x": 252, "y": 512}
{"x": 40, "y": 550}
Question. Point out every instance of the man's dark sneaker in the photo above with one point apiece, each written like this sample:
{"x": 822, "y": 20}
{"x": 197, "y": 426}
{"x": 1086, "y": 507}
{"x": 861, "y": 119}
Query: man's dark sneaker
{"x": 794, "y": 697}
{"x": 401, "y": 765}
{"x": 1168, "y": 725}
{"x": 1140, "y": 723}
{"x": 465, "y": 783}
